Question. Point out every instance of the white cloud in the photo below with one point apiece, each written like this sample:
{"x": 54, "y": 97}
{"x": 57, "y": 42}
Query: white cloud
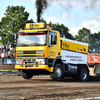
{"x": 74, "y": 31}
{"x": 52, "y": 19}
{"x": 96, "y": 16}
{"x": 94, "y": 26}
{"x": 91, "y": 24}
{"x": 65, "y": 16}
{"x": 25, "y": 0}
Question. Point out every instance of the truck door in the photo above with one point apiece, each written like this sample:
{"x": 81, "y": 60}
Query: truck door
{"x": 52, "y": 45}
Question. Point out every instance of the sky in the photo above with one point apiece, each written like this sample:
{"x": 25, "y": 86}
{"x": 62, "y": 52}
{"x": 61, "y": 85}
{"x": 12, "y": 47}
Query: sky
{"x": 74, "y": 14}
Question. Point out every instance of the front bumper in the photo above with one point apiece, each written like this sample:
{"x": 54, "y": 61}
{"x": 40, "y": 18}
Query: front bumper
{"x": 44, "y": 67}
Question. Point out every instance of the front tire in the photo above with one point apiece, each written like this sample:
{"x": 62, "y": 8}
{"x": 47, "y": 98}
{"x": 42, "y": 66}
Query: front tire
{"x": 58, "y": 72}
{"x": 26, "y": 74}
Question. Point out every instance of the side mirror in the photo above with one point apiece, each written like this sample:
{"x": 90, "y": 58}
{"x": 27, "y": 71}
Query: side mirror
{"x": 53, "y": 39}
{"x": 15, "y": 39}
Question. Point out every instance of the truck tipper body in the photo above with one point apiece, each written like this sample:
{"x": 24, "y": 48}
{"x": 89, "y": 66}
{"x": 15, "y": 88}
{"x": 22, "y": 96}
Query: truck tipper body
{"x": 41, "y": 50}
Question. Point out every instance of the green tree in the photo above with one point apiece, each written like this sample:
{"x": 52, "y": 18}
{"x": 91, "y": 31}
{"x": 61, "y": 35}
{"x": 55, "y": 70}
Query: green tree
{"x": 14, "y": 20}
{"x": 84, "y": 35}
{"x": 64, "y": 31}
{"x": 42, "y": 20}
{"x": 30, "y": 21}
{"x": 95, "y": 43}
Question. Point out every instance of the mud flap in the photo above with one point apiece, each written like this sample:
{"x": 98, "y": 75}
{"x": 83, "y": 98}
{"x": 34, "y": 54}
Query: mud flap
{"x": 97, "y": 69}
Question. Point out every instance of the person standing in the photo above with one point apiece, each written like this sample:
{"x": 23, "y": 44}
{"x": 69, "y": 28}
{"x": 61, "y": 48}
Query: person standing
{"x": 2, "y": 56}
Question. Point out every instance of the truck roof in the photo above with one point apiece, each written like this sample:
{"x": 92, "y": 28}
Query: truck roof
{"x": 75, "y": 41}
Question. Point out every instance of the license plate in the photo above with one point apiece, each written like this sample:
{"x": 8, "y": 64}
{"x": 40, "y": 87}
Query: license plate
{"x": 28, "y": 66}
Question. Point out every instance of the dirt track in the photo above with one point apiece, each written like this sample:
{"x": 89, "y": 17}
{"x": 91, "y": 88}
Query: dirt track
{"x": 5, "y": 67}
{"x": 43, "y": 88}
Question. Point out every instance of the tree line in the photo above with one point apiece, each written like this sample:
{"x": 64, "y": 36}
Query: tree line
{"x": 15, "y": 18}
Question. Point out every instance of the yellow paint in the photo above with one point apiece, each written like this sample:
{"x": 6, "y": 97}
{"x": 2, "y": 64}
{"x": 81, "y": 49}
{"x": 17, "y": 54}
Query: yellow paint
{"x": 53, "y": 50}
{"x": 31, "y": 48}
{"x": 35, "y": 25}
{"x": 45, "y": 67}
{"x": 50, "y": 52}
{"x": 74, "y": 47}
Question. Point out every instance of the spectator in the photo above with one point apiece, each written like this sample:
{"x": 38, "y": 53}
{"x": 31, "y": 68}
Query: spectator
{"x": 8, "y": 55}
{"x": 5, "y": 47}
{"x": 2, "y": 56}
{"x": 12, "y": 49}
{"x": 5, "y": 54}
{"x": 8, "y": 49}
{"x": 12, "y": 56}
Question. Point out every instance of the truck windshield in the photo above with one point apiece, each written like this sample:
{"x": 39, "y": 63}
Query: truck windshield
{"x": 32, "y": 39}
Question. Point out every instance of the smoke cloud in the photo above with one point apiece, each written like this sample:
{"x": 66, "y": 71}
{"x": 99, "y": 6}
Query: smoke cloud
{"x": 40, "y": 5}
{"x": 87, "y": 4}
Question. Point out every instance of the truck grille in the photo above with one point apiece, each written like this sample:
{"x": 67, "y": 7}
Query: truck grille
{"x": 38, "y": 53}
{"x": 30, "y": 56}
{"x": 29, "y": 52}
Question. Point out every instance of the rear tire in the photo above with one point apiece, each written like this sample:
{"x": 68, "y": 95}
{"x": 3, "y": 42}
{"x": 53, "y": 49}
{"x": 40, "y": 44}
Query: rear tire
{"x": 83, "y": 74}
{"x": 26, "y": 74}
{"x": 58, "y": 72}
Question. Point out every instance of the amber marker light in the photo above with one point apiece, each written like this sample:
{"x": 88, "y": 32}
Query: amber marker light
{"x": 25, "y": 28}
{"x": 15, "y": 54}
{"x": 44, "y": 52}
{"x": 48, "y": 27}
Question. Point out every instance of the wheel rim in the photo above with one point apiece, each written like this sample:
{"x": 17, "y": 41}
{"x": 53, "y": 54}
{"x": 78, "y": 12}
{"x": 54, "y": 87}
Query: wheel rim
{"x": 58, "y": 72}
{"x": 84, "y": 74}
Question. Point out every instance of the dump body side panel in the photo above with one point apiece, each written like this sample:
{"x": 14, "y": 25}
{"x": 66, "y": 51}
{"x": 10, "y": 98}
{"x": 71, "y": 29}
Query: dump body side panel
{"x": 74, "y": 52}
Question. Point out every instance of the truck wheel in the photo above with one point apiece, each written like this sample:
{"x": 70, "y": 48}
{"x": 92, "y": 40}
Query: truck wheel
{"x": 84, "y": 74}
{"x": 58, "y": 72}
{"x": 26, "y": 74}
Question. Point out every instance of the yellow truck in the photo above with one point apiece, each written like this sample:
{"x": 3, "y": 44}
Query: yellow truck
{"x": 41, "y": 50}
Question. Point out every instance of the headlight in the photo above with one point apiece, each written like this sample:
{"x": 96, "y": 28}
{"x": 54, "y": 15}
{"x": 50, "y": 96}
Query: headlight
{"x": 39, "y": 52}
{"x": 17, "y": 61}
{"x": 19, "y": 52}
{"x": 40, "y": 61}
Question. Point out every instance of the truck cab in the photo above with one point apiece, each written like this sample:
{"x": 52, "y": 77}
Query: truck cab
{"x": 36, "y": 48}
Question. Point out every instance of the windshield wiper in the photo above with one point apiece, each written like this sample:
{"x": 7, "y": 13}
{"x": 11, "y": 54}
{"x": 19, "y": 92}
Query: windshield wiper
{"x": 36, "y": 44}
{"x": 23, "y": 44}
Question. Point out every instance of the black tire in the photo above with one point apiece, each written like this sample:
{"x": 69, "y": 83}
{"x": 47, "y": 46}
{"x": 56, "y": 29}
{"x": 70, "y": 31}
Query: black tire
{"x": 83, "y": 74}
{"x": 26, "y": 74}
{"x": 58, "y": 72}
